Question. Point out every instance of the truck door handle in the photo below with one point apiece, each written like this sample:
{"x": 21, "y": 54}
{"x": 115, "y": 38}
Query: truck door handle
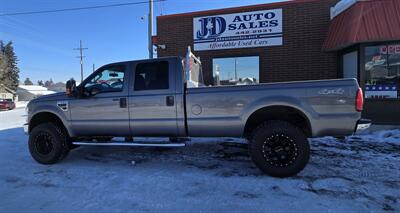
{"x": 122, "y": 103}
{"x": 170, "y": 100}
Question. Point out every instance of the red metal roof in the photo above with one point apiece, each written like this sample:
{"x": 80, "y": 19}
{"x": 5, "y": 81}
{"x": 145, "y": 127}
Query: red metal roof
{"x": 365, "y": 21}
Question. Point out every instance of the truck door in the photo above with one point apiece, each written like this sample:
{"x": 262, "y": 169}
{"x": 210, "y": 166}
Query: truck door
{"x": 152, "y": 101}
{"x": 103, "y": 109}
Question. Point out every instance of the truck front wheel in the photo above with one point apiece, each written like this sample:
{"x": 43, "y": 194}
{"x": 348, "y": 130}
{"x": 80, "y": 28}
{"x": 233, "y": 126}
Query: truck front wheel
{"x": 48, "y": 143}
{"x": 279, "y": 149}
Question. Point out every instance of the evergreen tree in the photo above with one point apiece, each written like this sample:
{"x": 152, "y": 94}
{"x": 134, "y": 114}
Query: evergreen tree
{"x": 12, "y": 71}
{"x": 40, "y": 83}
{"x": 28, "y": 81}
{"x": 3, "y": 64}
{"x": 1, "y": 46}
{"x": 48, "y": 83}
{"x": 3, "y": 68}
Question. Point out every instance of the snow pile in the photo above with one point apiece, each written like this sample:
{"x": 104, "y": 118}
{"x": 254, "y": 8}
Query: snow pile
{"x": 21, "y": 104}
{"x": 385, "y": 136}
{"x": 12, "y": 119}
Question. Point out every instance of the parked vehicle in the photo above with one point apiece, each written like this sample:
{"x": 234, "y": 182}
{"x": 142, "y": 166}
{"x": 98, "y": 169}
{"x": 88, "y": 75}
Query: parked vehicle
{"x": 166, "y": 97}
{"x": 7, "y": 104}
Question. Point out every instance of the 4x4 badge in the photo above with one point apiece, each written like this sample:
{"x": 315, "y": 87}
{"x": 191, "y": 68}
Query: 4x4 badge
{"x": 339, "y": 91}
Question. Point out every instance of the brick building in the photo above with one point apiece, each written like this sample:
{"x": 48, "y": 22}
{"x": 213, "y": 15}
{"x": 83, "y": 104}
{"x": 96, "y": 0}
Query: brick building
{"x": 296, "y": 40}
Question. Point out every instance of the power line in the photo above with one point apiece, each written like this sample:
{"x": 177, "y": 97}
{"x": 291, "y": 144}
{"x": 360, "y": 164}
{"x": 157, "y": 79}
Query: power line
{"x": 77, "y": 8}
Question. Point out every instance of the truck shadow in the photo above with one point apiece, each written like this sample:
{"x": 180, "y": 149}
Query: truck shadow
{"x": 222, "y": 157}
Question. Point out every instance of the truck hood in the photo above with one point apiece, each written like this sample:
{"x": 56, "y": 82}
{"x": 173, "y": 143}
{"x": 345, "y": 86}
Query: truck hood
{"x": 51, "y": 97}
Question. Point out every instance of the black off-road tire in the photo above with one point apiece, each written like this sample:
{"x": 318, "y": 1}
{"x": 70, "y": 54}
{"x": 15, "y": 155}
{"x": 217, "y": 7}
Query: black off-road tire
{"x": 279, "y": 149}
{"x": 48, "y": 143}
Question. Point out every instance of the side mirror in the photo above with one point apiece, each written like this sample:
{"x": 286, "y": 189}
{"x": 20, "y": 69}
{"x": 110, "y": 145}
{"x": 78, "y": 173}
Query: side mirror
{"x": 70, "y": 88}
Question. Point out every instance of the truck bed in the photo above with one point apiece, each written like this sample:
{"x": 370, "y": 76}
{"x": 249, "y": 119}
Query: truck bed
{"x": 329, "y": 106}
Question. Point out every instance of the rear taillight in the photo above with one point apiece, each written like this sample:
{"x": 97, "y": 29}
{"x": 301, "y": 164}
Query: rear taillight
{"x": 359, "y": 100}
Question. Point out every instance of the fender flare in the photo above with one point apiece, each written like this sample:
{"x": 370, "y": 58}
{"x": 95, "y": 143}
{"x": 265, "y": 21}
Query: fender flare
{"x": 277, "y": 101}
{"x": 47, "y": 108}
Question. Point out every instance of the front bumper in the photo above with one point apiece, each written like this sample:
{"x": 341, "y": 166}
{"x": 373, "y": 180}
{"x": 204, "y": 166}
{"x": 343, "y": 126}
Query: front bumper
{"x": 26, "y": 128}
{"x": 363, "y": 124}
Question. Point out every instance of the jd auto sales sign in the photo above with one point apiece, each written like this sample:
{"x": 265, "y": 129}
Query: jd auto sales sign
{"x": 239, "y": 30}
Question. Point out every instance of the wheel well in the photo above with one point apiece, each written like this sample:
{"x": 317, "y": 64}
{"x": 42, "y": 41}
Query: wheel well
{"x": 44, "y": 117}
{"x": 283, "y": 113}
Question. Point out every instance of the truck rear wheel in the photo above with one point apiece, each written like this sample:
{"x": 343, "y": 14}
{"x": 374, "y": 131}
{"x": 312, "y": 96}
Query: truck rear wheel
{"x": 48, "y": 143}
{"x": 279, "y": 148}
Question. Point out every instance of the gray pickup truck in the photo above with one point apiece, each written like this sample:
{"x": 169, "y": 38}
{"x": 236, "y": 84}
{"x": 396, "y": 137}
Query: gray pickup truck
{"x": 165, "y": 97}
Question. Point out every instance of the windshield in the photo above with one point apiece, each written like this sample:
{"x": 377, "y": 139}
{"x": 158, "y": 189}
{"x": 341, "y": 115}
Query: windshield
{"x": 109, "y": 79}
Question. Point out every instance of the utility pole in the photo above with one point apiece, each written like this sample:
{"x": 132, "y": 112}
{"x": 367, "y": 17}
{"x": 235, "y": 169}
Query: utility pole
{"x": 81, "y": 56}
{"x": 235, "y": 69}
{"x": 93, "y": 68}
{"x": 150, "y": 28}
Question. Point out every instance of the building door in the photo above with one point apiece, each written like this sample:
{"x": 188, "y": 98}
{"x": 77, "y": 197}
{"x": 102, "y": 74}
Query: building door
{"x": 350, "y": 65}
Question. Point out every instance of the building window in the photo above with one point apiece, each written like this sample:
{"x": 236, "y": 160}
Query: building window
{"x": 382, "y": 67}
{"x": 236, "y": 70}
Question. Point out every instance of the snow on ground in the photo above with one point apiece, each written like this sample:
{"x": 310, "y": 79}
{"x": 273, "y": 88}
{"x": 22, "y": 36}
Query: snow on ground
{"x": 21, "y": 104}
{"x": 12, "y": 118}
{"x": 386, "y": 136}
{"x": 357, "y": 174}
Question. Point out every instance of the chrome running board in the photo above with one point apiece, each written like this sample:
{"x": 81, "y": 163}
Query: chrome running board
{"x": 129, "y": 144}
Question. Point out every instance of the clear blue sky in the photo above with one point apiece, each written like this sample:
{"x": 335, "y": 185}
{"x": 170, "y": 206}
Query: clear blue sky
{"x": 44, "y": 42}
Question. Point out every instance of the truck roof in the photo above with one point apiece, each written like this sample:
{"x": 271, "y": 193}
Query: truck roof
{"x": 145, "y": 60}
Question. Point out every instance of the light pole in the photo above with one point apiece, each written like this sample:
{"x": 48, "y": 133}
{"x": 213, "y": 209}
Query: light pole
{"x": 150, "y": 29}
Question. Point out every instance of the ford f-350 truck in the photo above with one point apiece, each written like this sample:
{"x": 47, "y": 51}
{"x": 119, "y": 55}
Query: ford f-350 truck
{"x": 166, "y": 97}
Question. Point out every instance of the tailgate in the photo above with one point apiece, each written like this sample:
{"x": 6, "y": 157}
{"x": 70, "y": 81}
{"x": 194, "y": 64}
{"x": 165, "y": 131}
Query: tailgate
{"x": 335, "y": 97}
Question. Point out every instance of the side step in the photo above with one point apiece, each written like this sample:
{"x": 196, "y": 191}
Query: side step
{"x": 82, "y": 143}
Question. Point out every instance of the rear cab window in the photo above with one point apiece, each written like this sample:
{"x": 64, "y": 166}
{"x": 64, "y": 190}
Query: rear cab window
{"x": 152, "y": 76}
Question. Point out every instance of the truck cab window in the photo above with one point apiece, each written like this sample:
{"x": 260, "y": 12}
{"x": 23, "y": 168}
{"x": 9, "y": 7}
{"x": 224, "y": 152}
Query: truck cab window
{"x": 110, "y": 79}
{"x": 152, "y": 76}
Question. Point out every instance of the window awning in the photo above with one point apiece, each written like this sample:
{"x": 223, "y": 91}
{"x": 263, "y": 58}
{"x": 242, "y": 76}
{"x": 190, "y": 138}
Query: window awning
{"x": 365, "y": 21}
